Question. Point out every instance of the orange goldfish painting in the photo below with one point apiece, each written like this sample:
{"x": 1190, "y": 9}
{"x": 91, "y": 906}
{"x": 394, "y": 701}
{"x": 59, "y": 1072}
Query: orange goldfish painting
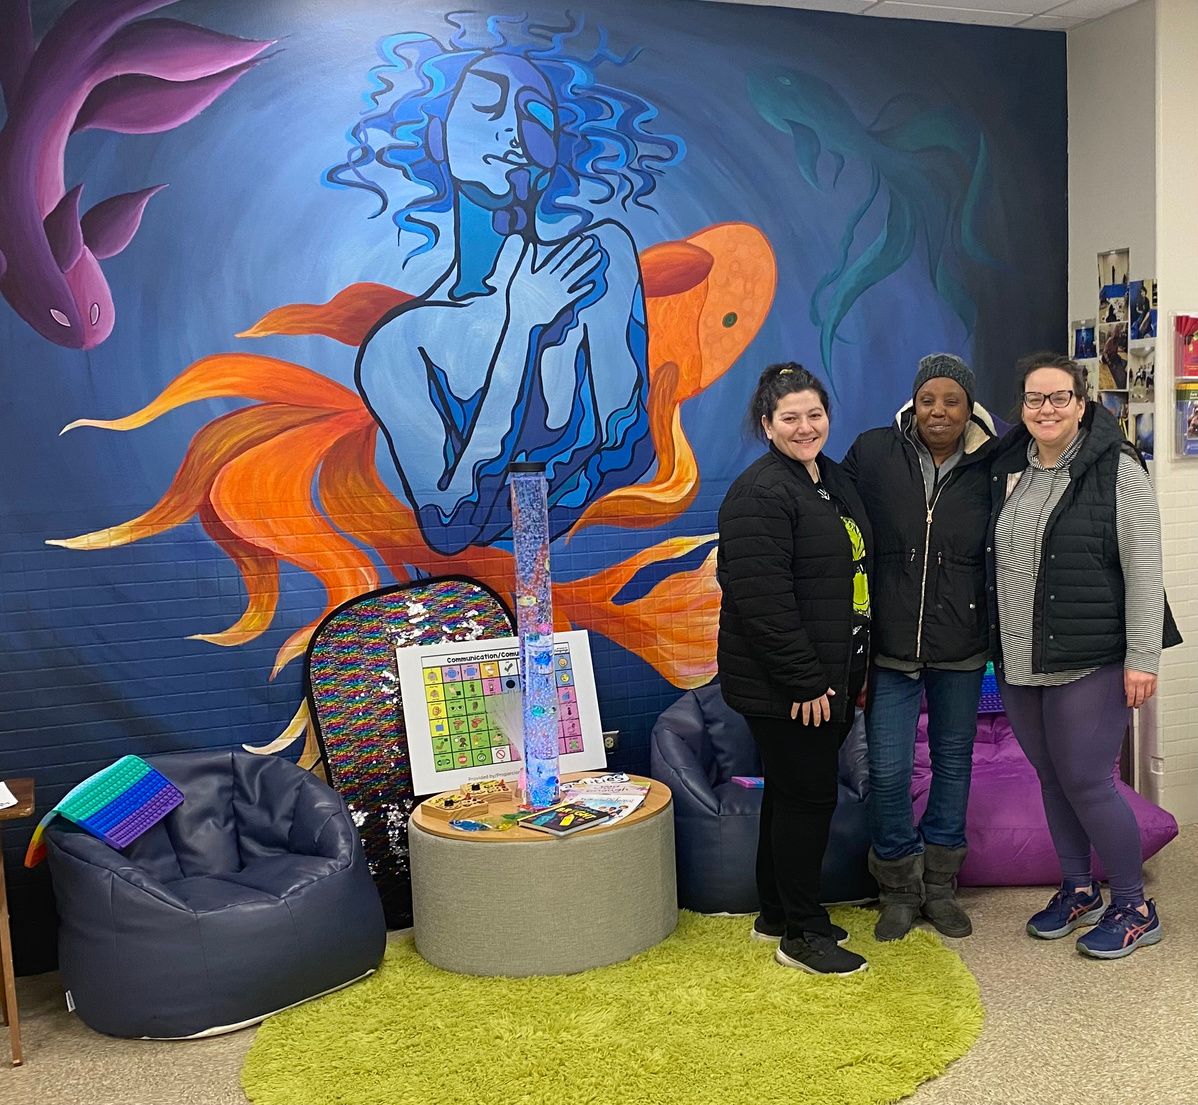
{"x": 292, "y": 478}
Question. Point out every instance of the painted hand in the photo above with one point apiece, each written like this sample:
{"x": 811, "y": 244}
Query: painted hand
{"x": 815, "y": 711}
{"x": 560, "y": 281}
{"x": 1139, "y": 687}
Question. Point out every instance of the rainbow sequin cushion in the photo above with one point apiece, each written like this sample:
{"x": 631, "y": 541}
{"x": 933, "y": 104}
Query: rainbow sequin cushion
{"x": 353, "y": 687}
{"x": 117, "y": 805}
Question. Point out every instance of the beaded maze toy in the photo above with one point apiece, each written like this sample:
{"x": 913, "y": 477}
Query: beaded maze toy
{"x": 117, "y": 805}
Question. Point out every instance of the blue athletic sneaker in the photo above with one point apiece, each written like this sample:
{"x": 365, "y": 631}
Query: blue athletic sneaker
{"x": 1123, "y": 928}
{"x": 1068, "y": 910}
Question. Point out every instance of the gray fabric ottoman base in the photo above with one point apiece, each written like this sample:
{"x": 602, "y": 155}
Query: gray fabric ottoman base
{"x": 543, "y": 907}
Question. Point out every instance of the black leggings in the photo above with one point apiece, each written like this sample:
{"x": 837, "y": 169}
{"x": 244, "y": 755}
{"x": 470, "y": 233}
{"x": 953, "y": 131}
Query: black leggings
{"x": 801, "y": 767}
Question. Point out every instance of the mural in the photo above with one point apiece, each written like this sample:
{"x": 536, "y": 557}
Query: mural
{"x": 391, "y": 251}
{"x": 535, "y": 343}
{"x": 95, "y": 69}
{"x": 932, "y": 166}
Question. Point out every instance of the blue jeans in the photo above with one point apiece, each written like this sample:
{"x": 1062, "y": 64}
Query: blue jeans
{"x": 891, "y": 720}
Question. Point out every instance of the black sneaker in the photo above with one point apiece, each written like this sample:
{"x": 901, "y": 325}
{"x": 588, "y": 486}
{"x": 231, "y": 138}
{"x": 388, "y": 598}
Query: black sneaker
{"x": 763, "y": 930}
{"x": 819, "y": 955}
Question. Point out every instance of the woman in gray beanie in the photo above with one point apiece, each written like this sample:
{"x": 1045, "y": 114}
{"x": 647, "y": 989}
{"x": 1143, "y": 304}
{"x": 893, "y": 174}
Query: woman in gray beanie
{"x": 925, "y": 483}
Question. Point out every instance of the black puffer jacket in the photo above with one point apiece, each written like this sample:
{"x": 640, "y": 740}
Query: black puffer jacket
{"x": 786, "y": 569}
{"x": 929, "y": 565}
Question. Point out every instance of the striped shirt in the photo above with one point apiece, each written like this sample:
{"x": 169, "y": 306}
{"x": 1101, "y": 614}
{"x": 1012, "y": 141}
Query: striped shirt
{"x": 1017, "y": 543}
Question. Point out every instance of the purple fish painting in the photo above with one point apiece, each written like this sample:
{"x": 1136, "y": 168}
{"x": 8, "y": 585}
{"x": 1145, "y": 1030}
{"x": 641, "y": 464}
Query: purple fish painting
{"x": 97, "y": 68}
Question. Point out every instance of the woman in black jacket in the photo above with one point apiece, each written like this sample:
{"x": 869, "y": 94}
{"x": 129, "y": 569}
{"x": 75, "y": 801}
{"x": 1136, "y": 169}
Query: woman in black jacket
{"x": 925, "y": 483}
{"x": 793, "y": 647}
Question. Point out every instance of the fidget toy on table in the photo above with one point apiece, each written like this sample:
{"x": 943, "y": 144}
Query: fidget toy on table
{"x": 451, "y": 805}
{"x": 465, "y": 729}
{"x": 991, "y": 700}
{"x": 489, "y": 790}
{"x": 354, "y": 698}
{"x": 117, "y": 805}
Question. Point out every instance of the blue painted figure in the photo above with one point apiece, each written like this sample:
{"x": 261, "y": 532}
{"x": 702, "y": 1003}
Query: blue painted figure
{"x": 532, "y": 343}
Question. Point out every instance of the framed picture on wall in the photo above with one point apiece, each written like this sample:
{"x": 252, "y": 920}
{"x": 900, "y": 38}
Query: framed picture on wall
{"x": 1116, "y": 402}
{"x": 1082, "y": 340}
{"x": 1144, "y": 437}
{"x": 1142, "y": 309}
{"x": 1113, "y": 268}
{"x": 1112, "y": 356}
{"x": 1141, "y": 373}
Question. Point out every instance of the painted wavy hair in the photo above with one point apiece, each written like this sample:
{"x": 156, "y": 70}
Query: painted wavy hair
{"x": 602, "y": 140}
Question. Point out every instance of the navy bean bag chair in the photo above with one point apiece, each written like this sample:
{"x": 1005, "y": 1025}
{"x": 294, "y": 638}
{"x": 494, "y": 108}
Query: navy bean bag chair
{"x": 697, "y": 745}
{"x": 251, "y": 896}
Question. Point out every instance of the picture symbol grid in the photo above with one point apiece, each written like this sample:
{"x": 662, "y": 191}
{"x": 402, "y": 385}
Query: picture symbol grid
{"x": 463, "y": 729}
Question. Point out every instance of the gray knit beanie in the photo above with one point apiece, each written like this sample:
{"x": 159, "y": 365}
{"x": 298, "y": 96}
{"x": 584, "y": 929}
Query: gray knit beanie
{"x": 945, "y": 364}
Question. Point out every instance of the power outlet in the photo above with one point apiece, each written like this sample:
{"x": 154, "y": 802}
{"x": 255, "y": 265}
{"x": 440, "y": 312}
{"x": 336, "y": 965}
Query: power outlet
{"x": 611, "y": 740}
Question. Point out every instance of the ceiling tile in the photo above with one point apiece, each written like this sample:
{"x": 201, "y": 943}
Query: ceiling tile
{"x": 1088, "y": 9}
{"x": 853, "y": 7}
{"x": 1057, "y": 15}
{"x": 997, "y": 7}
{"x": 894, "y": 9}
{"x": 1052, "y": 23}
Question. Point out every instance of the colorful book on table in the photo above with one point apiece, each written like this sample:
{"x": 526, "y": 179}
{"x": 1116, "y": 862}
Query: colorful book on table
{"x": 615, "y": 794}
{"x": 117, "y": 805}
{"x": 565, "y": 819}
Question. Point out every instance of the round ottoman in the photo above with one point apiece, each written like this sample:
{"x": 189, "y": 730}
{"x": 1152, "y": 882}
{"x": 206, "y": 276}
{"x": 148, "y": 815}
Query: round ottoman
{"x": 522, "y": 902}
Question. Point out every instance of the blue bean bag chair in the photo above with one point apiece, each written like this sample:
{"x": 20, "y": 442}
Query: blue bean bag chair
{"x": 697, "y": 745}
{"x": 251, "y": 896}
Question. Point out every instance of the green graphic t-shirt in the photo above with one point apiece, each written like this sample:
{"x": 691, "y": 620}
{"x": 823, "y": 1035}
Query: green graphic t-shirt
{"x": 860, "y": 580}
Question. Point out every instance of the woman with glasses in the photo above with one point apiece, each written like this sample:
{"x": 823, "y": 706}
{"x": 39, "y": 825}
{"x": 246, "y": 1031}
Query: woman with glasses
{"x": 1077, "y": 611}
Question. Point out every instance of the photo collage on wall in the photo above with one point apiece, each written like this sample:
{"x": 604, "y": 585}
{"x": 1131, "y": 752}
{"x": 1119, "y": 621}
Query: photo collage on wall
{"x": 1185, "y": 384}
{"x": 1117, "y": 348}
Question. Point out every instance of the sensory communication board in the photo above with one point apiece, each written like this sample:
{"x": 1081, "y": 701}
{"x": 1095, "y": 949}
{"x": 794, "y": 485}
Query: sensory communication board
{"x": 450, "y": 713}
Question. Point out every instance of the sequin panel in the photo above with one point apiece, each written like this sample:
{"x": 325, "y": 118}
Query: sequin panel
{"x": 354, "y": 686}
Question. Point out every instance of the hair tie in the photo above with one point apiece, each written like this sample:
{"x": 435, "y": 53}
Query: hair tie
{"x": 785, "y": 372}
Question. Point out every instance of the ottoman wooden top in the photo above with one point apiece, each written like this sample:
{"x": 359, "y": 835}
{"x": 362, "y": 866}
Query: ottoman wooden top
{"x": 656, "y": 800}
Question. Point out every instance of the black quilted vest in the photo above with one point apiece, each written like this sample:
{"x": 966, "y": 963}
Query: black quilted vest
{"x": 1079, "y": 606}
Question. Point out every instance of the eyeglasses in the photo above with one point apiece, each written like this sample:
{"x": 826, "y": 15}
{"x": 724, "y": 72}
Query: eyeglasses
{"x": 1034, "y": 400}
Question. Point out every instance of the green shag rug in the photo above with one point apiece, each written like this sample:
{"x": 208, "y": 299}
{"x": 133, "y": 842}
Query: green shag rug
{"x": 704, "y": 1018}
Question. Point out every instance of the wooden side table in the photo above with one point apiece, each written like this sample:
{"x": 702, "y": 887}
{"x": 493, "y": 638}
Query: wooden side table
{"x": 22, "y": 791}
{"x": 521, "y": 902}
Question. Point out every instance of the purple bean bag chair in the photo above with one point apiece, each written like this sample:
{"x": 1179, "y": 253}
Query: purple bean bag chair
{"x": 1008, "y": 836}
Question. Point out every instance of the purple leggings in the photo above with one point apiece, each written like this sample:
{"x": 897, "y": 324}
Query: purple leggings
{"x": 1072, "y": 736}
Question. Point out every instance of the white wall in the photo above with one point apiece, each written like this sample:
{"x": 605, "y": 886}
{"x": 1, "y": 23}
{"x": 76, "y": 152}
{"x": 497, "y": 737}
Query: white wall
{"x": 1133, "y": 181}
{"x": 1177, "y": 481}
{"x": 1112, "y": 148}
